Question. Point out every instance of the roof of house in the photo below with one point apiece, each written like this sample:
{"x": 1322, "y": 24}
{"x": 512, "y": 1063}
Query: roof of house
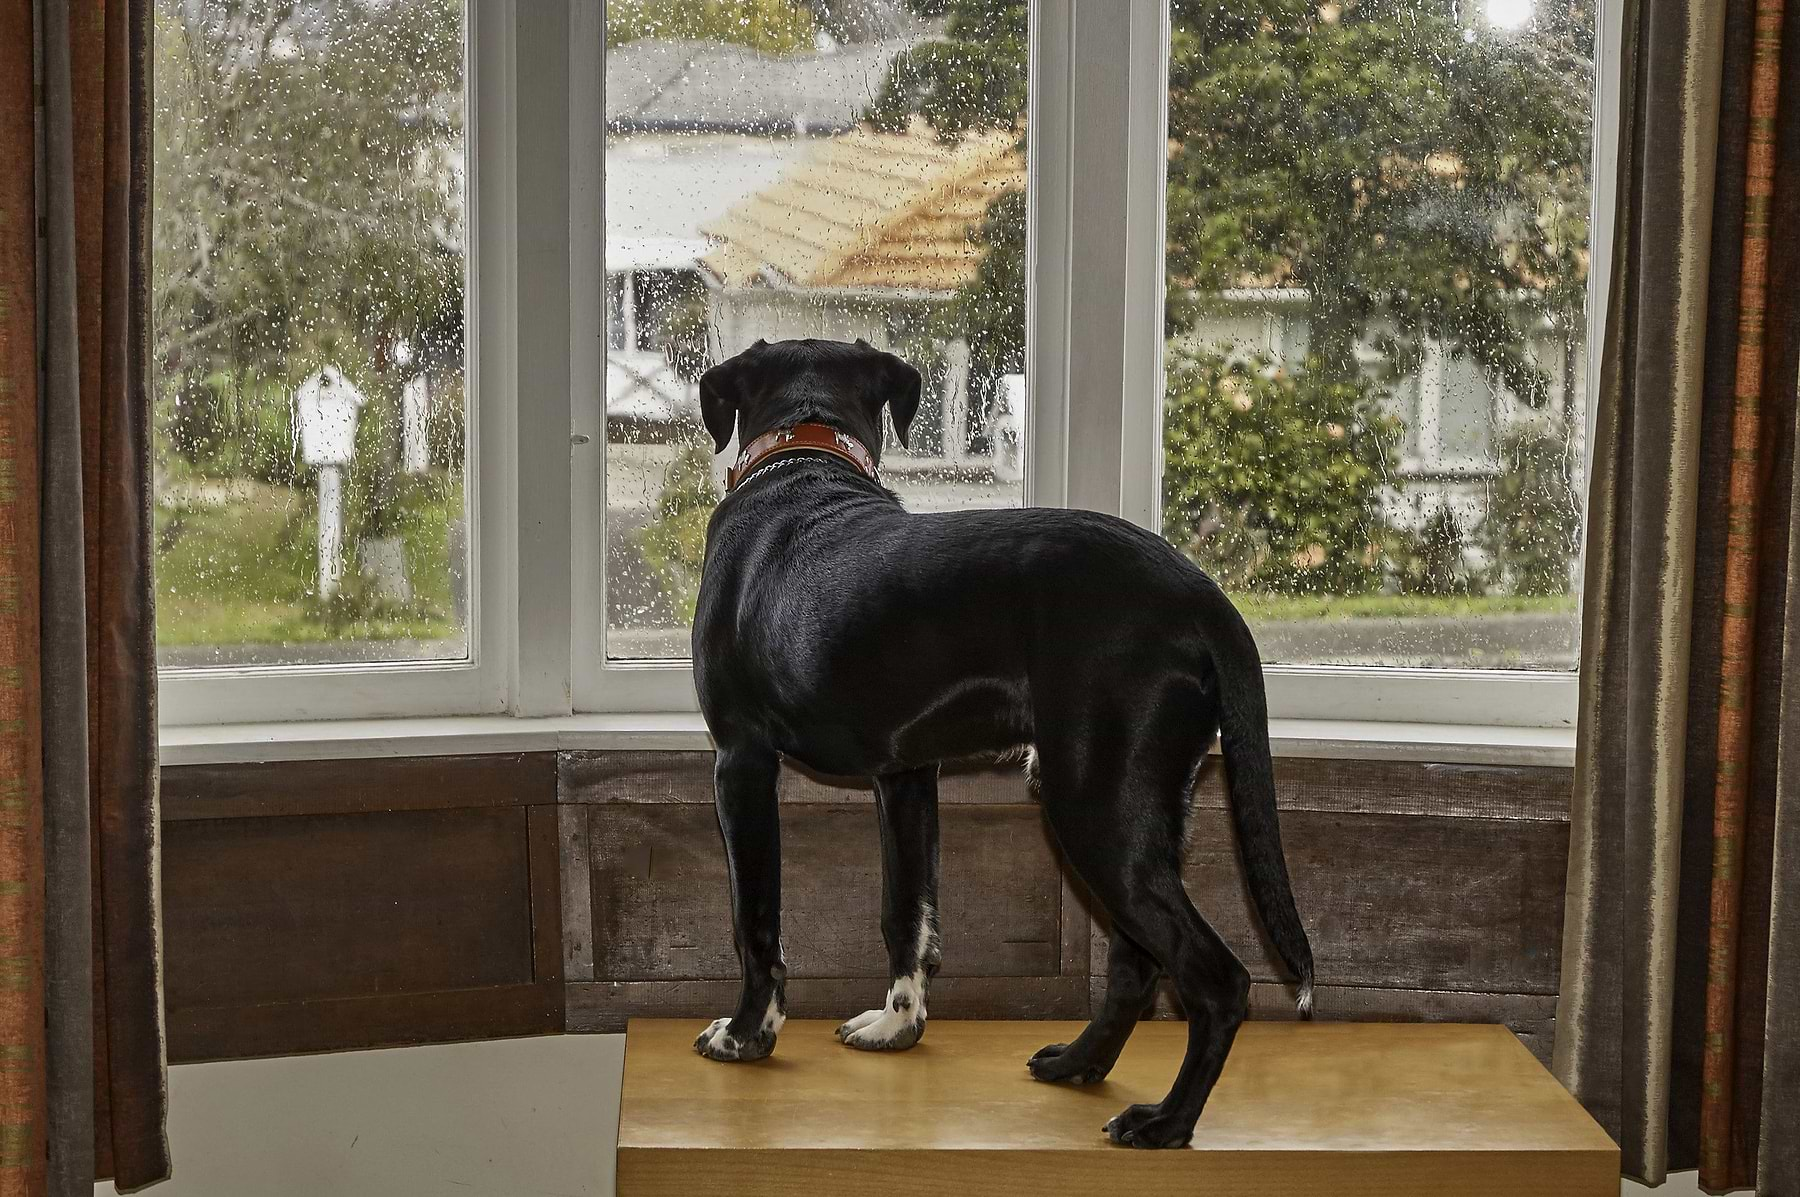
{"x": 870, "y": 210}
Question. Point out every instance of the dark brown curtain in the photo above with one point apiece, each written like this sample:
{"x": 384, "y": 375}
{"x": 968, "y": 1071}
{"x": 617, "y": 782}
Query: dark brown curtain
{"x": 1679, "y": 1021}
{"x": 82, "y": 1091}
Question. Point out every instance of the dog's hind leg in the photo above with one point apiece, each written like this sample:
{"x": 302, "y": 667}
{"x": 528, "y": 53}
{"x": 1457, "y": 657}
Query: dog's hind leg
{"x": 1131, "y": 975}
{"x": 907, "y": 803}
{"x": 744, "y": 790}
{"x": 1214, "y": 988}
{"x": 1123, "y": 839}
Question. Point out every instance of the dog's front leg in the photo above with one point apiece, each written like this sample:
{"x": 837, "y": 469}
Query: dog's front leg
{"x": 907, "y": 803}
{"x": 744, "y": 784}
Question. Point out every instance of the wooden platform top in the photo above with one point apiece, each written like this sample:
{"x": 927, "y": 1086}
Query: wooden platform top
{"x": 1328, "y": 1107}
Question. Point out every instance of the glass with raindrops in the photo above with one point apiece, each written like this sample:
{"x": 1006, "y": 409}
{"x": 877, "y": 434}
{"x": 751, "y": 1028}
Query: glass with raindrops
{"x": 308, "y": 266}
{"x": 1375, "y": 300}
{"x": 782, "y": 168}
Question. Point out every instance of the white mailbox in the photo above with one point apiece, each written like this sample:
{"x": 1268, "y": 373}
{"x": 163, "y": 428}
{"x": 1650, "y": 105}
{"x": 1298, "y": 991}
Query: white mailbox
{"x": 328, "y": 406}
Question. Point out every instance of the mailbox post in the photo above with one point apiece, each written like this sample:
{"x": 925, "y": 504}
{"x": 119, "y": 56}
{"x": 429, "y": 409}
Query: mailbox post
{"x": 415, "y": 408}
{"x": 328, "y": 406}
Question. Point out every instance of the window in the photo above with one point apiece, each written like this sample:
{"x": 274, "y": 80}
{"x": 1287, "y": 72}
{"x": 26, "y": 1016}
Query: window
{"x": 1300, "y": 284}
{"x": 308, "y": 272}
{"x": 1376, "y": 267}
{"x": 1376, "y": 300}
{"x": 768, "y": 174}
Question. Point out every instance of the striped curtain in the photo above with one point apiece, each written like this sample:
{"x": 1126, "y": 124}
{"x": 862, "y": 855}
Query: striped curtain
{"x": 1679, "y": 1020}
{"x": 82, "y": 1090}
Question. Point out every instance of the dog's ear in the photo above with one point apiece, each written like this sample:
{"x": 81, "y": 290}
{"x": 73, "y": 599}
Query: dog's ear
{"x": 721, "y": 394}
{"x": 901, "y": 387}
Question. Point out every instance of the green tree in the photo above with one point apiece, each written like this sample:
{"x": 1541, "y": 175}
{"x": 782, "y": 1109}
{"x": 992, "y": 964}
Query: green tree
{"x": 1411, "y": 172}
{"x": 307, "y": 211}
{"x": 307, "y": 191}
{"x": 1381, "y": 155}
{"x": 674, "y": 544}
{"x": 771, "y": 26}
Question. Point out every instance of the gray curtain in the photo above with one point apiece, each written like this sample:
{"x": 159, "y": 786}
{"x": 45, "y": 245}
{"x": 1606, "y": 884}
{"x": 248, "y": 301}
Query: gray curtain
{"x": 1677, "y": 1022}
{"x": 81, "y": 1030}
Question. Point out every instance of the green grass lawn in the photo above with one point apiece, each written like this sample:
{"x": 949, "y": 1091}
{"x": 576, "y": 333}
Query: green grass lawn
{"x": 244, "y": 571}
{"x": 1260, "y": 608}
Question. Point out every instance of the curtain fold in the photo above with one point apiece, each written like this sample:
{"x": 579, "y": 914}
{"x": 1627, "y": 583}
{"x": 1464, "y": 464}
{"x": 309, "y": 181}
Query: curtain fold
{"x": 82, "y": 1088}
{"x": 1678, "y": 1001}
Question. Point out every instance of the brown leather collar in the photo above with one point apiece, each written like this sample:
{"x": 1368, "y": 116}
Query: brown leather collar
{"x": 819, "y": 438}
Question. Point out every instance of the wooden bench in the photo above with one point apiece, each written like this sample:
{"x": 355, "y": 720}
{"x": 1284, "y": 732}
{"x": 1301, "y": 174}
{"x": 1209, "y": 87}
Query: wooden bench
{"x": 1348, "y": 1109}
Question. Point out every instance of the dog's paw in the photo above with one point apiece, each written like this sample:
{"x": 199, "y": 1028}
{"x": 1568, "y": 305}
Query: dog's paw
{"x": 717, "y": 1042}
{"x": 1148, "y": 1126}
{"x": 884, "y": 1030}
{"x": 1055, "y": 1063}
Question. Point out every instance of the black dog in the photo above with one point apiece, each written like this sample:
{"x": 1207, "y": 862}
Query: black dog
{"x": 837, "y": 629}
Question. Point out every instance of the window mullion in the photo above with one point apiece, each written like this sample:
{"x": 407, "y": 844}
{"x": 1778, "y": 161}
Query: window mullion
{"x": 540, "y": 675}
{"x": 1099, "y": 165}
{"x": 1140, "y": 467}
{"x": 587, "y": 349}
{"x": 1049, "y": 287}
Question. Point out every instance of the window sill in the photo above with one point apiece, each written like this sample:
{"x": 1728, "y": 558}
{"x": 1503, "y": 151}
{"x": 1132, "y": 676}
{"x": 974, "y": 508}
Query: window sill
{"x": 1328, "y": 739}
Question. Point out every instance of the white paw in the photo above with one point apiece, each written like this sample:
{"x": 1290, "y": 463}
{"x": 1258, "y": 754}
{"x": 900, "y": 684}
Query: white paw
{"x": 896, "y": 1026}
{"x": 717, "y": 1042}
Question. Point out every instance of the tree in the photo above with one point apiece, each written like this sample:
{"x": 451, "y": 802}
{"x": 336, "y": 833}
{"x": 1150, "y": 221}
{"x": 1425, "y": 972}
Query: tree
{"x": 307, "y": 211}
{"x": 1533, "y": 521}
{"x": 1409, "y": 172}
{"x": 770, "y": 26}
{"x": 307, "y": 181}
{"x": 1381, "y": 155}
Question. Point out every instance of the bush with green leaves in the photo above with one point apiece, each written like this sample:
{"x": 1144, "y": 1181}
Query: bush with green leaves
{"x": 1433, "y": 560}
{"x": 1533, "y": 522}
{"x": 1272, "y": 480}
{"x": 675, "y": 544}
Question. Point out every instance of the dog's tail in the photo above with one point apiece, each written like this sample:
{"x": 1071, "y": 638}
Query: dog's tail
{"x": 1250, "y": 782}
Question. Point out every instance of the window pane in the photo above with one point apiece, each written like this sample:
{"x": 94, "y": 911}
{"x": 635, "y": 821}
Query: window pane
{"x": 778, "y": 169}
{"x": 308, "y": 262}
{"x": 1376, "y": 274}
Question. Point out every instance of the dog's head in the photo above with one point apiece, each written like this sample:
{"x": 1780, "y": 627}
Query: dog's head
{"x": 780, "y": 384}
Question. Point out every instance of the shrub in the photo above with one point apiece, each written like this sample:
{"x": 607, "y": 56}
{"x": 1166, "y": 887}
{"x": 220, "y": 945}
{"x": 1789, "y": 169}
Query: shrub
{"x": 1432, "y": 560}
{"x": 1533, "y": 522}
{"x": 1272, "y": 480}
{"x": 675, "y": 544}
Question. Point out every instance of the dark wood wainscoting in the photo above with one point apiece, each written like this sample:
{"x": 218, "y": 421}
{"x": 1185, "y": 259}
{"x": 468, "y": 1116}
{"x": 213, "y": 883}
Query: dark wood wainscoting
{"x": 1429, "y": 892}
{"x": 644, "y": 874}
{"x": 324, "y": 905}
{"x": 316, "y": 906}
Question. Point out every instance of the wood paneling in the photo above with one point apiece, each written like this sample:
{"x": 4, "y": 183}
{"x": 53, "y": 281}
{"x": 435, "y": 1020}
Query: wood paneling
{"x": 574, "y": 867}
{"x": 1530, "y": 1016}
{"x": 662, "y": 907}
{"x": 318, "y": 905}
{"x": 1015, "y": 944}
{"x": 370, "y": 1020}
{"x": 306, "y": 907}
{"x": 1434, "y": 903}
{"x": 261, "y": 789}
{"x": 324, "y": 905}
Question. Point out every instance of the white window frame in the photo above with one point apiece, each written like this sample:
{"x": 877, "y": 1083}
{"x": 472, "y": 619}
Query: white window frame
{"x": 536, "y": 362}
{"x": 480, "y": 684}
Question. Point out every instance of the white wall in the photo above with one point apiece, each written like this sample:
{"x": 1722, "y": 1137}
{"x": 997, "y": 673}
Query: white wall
{"x": 499, "y": 1119}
